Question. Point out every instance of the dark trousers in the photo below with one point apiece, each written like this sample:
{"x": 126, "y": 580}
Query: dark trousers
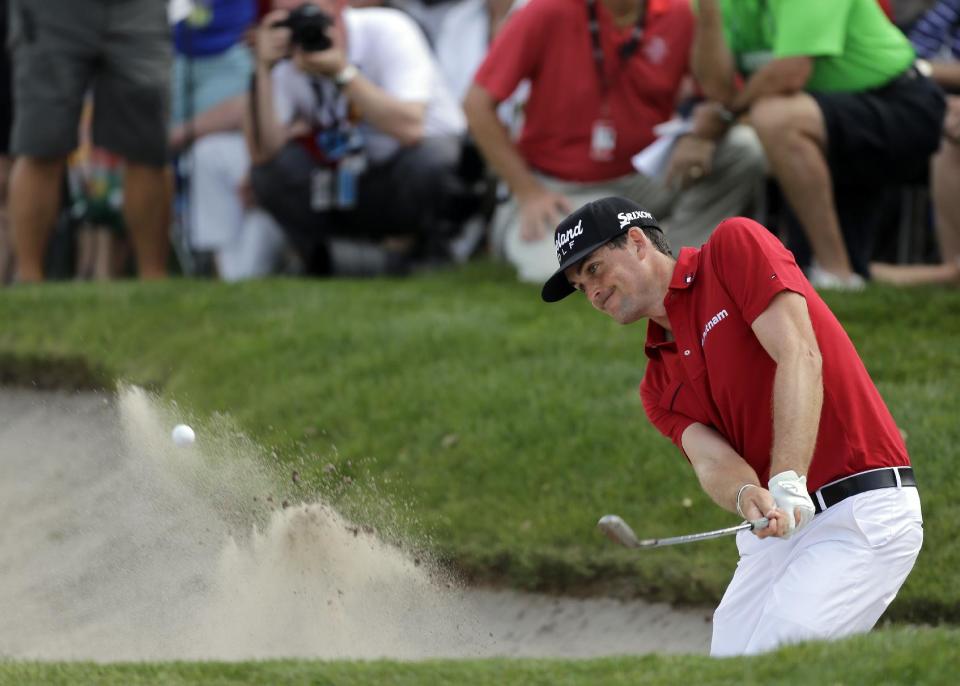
{"x": 407, "y": 195}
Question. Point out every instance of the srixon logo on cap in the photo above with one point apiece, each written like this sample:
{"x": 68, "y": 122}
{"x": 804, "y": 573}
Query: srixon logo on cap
{"x": 627, "y": 217}
{"x": 565, "y": 239}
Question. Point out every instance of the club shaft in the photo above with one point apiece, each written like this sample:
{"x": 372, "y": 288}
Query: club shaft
{"x": 620, "y": 532}
{"x": 692, "y": 538}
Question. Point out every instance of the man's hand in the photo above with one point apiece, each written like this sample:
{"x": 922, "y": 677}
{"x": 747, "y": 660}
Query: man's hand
{"x": 326, "y": 63}
{"x": 692, "y": 159}
{"x": 329, "y": 62}
{"x": 540, "y": 212}
{"x": 790, "y": 492}
{"x": 271, "y": 44}
{"x": 756, "y": 502}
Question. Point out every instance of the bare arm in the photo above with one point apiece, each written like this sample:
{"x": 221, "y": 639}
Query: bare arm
{"x": 494, "y": 142}
{"x": 786, "y": 333}
{"x": 396, "y": 118}
{"x": 712, "y": 60}
{"x": 225, "y": 116}
{"x": 722, "y": 473}
{"x": 265, "y": 135}
{"x": 782, "y": 76}
{"x": 540, "y": 208}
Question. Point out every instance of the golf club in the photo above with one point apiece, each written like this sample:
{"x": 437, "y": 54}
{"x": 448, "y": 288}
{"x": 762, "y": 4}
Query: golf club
{"x": 620, "y": 532}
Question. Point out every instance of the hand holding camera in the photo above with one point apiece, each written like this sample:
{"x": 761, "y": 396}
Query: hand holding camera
{"x": 306, "y": 35}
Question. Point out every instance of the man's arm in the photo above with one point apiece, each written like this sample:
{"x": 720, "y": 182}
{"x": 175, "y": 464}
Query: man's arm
{"x": 712, "y": 60}
{"x": 265, "y": 135}
{"x": 782, "y": 76}
{"x": 494, "y": 142}
{"x": 725, "y": 475}
{"x": 540, "y": 209}
{"x": 786, "y": 333}
{"x": 396, "y": 118}
{"x": 399, "y": 119}
{"x": 225, "y": 116}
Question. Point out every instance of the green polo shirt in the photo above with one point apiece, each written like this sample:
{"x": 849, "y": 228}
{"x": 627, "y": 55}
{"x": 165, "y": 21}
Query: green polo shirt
{"x": 854, "y": 45}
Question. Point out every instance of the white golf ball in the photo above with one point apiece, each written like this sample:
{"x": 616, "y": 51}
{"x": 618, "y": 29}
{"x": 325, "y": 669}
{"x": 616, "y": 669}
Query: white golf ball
{"x": 183, "y": 435}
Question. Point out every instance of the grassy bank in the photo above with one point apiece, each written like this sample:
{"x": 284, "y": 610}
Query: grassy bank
{"x": 498, "y": 428}
{"x": 901, "y": 656}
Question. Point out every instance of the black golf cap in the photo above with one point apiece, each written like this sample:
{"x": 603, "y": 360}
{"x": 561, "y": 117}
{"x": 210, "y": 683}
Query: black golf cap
{"x": 587, "y": 229}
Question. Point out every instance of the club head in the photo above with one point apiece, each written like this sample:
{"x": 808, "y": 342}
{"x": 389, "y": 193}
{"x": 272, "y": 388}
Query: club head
{"x": 618, "y": 531}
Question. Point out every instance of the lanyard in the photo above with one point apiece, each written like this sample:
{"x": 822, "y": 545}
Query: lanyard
{"x": 625, "y": 51}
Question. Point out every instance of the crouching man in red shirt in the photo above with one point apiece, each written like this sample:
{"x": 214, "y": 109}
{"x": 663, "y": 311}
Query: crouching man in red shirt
{"x": 755, "y": 380}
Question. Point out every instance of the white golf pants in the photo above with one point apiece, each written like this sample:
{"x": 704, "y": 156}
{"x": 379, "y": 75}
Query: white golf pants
{"x": 833, "y": 578}
{"x": 246, "y": 242}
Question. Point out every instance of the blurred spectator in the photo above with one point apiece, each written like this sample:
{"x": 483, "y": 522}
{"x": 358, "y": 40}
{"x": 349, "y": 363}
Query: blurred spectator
{"x": 837, "y": 103}
{"x": 61, "y": 48}
{"x": 936, "y": 37}
{"x": 352, "y": 129}
{"x": 211, "y": 78}
{"x": 906, "y": 12}
{"x": 602, "y": 75}
{"x": 95, "y": 181}
{"x": 6, "y": 118}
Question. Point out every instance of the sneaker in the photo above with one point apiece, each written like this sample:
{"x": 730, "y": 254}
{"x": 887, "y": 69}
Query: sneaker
{"x": 820, "y": 278}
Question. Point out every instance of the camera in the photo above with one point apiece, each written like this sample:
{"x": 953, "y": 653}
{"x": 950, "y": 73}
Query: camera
{"x": 308, "y": 26}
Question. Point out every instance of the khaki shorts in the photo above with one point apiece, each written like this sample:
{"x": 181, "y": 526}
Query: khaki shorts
{"x": 119, "y": 49}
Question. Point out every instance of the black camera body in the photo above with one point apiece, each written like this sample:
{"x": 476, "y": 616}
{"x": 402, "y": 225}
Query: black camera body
{"x": 308, "y": 26}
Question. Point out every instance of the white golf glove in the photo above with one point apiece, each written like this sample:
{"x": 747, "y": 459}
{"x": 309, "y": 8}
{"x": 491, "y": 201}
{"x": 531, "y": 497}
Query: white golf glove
{"x": 790, "y": 492}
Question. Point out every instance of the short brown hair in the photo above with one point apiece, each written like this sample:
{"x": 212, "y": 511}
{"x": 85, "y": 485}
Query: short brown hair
{"x": 655, "y": 235}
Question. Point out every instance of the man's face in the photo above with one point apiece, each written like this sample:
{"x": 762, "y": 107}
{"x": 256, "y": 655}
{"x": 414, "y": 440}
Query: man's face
{"x": 619, "y": 281}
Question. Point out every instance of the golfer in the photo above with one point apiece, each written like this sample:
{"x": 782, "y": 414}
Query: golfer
{"x": 755, "y": 380}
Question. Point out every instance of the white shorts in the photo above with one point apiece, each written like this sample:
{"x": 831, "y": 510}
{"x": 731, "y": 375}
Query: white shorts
{"x": 833, "y": 578}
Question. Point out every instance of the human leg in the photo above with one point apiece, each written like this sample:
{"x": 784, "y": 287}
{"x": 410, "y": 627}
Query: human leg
{"x": 6, "y": 243}
{"x": 794, "y": 137}
{"x": 731, "y": 189}
{"x": 131, "y": 96}
{"x": 53, "y": 55}
{"x": 743, "y": 601}
{"x": 35, "y": 188}
{"x": 946, "y": 203}
{"x": 841, "y": 572}
{"x": 282, "y": 187}
{"x": 944, "y": 170}
{"x": 256, "y": 251}
{"x": 419, "y": 184}
{"x": 146, "y": 211}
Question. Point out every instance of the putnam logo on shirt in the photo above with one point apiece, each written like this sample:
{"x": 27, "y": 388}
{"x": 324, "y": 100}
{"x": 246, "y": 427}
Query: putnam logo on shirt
{"x": 716, "y": 319}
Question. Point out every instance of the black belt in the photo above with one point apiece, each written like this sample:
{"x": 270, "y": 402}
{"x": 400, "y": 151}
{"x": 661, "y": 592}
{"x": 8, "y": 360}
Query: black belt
{"x": 889, "y": 477}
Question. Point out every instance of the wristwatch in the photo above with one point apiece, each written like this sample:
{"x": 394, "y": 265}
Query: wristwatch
{"x": 343, "y": 77}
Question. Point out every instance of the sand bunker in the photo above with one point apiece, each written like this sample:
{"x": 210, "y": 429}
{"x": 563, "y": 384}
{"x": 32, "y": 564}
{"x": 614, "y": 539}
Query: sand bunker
{"x": 116, "y": 544}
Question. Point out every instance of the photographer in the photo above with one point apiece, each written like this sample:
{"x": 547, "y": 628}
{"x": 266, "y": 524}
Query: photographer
{"x": 351, "y": 130}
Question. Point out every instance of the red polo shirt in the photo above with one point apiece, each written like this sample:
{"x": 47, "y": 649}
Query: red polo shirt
{"x": 716, "y": 372}
{"x": 548, "y": 42}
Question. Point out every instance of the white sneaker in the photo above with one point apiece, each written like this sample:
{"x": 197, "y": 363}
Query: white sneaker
{"x": 820, "y": 278}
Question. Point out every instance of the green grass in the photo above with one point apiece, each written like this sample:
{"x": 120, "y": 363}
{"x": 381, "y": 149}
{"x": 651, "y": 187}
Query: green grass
{"x": 902, "y": 656}
{"x": 498, "y": 428}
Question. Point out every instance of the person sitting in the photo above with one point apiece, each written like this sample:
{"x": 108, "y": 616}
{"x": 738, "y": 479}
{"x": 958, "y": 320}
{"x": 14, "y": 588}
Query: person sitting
{"x": 211, "y": 77}
{"x": 839, "y": 107}
{"x": 601, "y": 76}
{"x": 352, "y": 131}
{"x": 936, "y": 38}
